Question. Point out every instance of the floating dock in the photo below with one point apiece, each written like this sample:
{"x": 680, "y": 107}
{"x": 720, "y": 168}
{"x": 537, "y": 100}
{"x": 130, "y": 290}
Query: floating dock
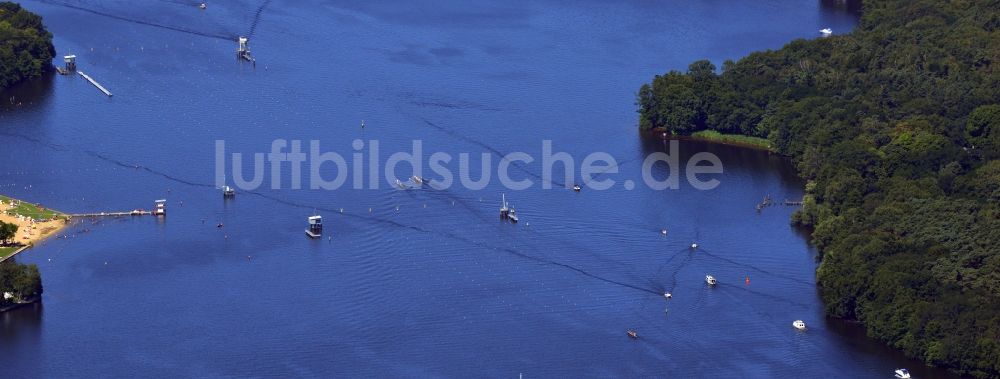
{"x": 95, "y": 83}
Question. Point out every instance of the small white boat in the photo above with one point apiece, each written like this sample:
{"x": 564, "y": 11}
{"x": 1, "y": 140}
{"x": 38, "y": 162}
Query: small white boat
{"x": 694, "y": 246}
{"x": 362, "y": 124}
{"x": 667, "y": 295}
{"x": 799, "y": 324}
{"x": 512, "y": 215}
{"x": 902, "y": 373}
{"x": 663, "y": 231}
{"x": 710, "y": 280}
{"x": 576, "y": 187}
{"x": 401, "y": 185}
{"x": 826, "y": 31}
{"x": 417, "y": 179}
{"x": 504, "y": 210}
{"x": 203, "y": 6}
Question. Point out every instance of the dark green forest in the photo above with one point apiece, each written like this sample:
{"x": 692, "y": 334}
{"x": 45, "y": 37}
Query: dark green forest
{"x": 896, "y": 127}
{"x": 26, "y": 49}
{"x": 20, "y": 281}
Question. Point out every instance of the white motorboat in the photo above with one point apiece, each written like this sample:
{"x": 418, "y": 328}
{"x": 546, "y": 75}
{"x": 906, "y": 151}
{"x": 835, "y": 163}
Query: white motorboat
{"x": 799, "y": 324}
{"x": 826, "y": 31}
{"x": 902, "y": 373}
{"x": 663, "y": 231}
{"x": 577, "y": 187}
{"x": 202, "y": 6}
{"x": 667, "y": 295}
{"x": 694, "y": 246}
{"x": 710, "y": 280}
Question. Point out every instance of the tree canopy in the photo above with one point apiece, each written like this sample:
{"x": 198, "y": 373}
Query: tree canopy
{"x": 7, "y": 232}
{"x": 896, "y": 127}
{"x": 26, "y": 49}
{"x": 21, "y": 281}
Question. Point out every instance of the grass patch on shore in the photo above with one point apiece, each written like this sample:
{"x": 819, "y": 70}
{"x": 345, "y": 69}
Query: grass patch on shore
{"x": 6, "y": 251}
{"x": 29, "y": 210}
{"x": 736, "y": 139}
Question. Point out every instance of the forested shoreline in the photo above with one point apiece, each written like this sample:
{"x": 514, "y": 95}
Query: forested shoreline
{"x": 18, "y": 283}
{"x": 896, "y": 127}
{"x": 26, "y": 49}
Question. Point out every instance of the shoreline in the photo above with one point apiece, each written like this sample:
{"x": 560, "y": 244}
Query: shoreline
{"x": 35, "y": 223}
{"x": 32, "y": 300}
{"x": 712, "y": 136}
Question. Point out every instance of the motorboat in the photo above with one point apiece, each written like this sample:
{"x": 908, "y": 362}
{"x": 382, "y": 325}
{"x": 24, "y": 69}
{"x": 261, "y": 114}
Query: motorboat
{"x": 663, "y": 231}
{"x": 512, "y": 215}
{"x": 633, "y": 335}
{"x": 504, "y": 210}
{"x": 710, "y": 280}
{"x": 228, "y": 192}
{"x": 667, "y": 295}
{"x": 576, "y": 187}
{"x": 902, "y": 373}
{"x": 694, "y": 246}
{"x": 417, "y": 179}
{"x": 202, "y": 6}
{"x": 799, "y": 324}
{"x": 826, "y": 31}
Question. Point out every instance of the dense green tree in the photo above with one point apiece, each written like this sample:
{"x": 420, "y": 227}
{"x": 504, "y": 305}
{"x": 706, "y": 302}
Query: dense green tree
{"x": 896, "y": 127}
{"x": 23, "y": 281}
{"x": 26, "y": 49}
{"x": 7, "y": 233}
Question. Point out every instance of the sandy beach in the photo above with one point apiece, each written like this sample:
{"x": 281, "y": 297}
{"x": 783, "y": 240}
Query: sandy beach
{"x": 30, "y": 231}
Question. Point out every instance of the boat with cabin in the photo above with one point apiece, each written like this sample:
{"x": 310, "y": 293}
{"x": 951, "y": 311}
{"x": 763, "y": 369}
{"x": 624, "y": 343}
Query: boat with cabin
{"x": 315, "y": 229}
{"x": 710, "y": 280}
{"x": 799, "y": 324}
{"x": 902, "y": 373}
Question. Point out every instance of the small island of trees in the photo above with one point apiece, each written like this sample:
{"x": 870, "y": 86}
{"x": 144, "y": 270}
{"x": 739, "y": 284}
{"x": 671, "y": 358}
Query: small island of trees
{"x": 896, "y": 127}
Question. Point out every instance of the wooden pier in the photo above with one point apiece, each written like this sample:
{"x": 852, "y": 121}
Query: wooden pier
{"x": 136, "y": 212}
{"x": 95, "y": 83}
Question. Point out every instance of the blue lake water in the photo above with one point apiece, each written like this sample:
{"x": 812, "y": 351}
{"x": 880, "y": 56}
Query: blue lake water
{"x": 415, "y": 283}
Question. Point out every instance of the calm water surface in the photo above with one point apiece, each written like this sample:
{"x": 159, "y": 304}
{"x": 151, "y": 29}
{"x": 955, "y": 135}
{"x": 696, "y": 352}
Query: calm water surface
{"x": 429, "y": 282}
